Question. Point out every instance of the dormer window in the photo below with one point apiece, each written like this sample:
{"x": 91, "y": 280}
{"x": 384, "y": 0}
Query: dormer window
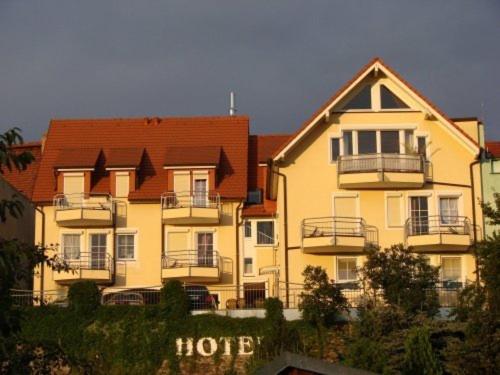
{"x": 254, "y": 197}
{"x": 122, "y": 164}
{"x": 74, "y": 168}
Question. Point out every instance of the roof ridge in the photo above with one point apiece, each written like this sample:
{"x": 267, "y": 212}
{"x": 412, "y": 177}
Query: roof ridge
{"x": 185, "y": 118}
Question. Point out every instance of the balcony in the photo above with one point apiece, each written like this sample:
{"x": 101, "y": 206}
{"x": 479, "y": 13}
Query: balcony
{"x": 380, "y": 171}
{"x": 190, "y": 208}
{"x": 438, "y": 233}
{"x": 97, "y": 267}
{"x": 191, "y": 266}
{"x": 83, "y": 210}
{"x": 330, "y": 235}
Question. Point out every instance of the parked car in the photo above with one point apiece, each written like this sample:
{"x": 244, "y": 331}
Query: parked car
{"x": 200, "y": 298}
{"x": 124, "y": 298}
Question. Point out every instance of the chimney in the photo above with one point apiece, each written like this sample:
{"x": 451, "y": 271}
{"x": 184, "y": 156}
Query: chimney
{"x": 232, "y": 108}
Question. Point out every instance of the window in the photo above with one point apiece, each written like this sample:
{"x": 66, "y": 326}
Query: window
{"x": 71, "y": 246}
{"x": 122, "y": 184}
{"x": 98, "y": 251}
{"x": 73, "y": 188}
{"x": 389, "y": 100}
{"x": 367, "y": 142}
{"x": 448, "y": 210}
{"x": 394, "y": 217}
{"x": 422, "y": 146}
{"x": 346, "y": 269}
{"x": 363, "y": 100}
{"x": 389, "y": 142}
{"x": 248, "y": 265}
{"x": 254, "y": 197}
{"x": 335, "y": 148}
{"x": 495, "y": 166}
{"x": 419, "y": 215}
{"x": 205, "y": 244}
{"x": 200, "y": 192}
{"x": 265, "y": 232}
{"x": 248, "y": 229}
{"x": 347, "y": 138}
{"x": 126, "y": 246}
{"x": 451, "y": 271}
{"x": 409, "y": 141}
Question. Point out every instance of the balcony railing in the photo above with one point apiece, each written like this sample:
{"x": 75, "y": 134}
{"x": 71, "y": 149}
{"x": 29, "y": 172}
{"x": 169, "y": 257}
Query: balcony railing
{"x": 191, "y": 258}
{"x": 339, "y": 227}
{"x": 438, "y": 224}
{"x": 88, "y": 261}
{"x": 83, "y": 201}
{"x": 383, "y": 163}
{"x": 190, "y": 199}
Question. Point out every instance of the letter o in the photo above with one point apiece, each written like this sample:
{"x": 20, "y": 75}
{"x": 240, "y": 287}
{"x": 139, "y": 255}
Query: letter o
{"x": 200, "y": 347}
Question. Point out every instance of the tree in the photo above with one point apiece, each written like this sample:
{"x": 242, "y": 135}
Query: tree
{"x": 406, "y": 280}
{"x": 321, "y": 302}
{"x": 419, "y": 355}
{"x": 174, "y": 302}
{"x": 492, "y": 212}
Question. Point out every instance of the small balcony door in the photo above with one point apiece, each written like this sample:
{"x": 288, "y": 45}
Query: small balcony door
{"x": 419, "y": 215}
{"x": 200, "y": 192}
{"x": 205, "y": 247}
{"x": 98, "y": 251}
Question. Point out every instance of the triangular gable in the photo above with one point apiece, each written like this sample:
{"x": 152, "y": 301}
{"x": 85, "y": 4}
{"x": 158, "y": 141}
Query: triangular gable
{"x": 375, "y": 65}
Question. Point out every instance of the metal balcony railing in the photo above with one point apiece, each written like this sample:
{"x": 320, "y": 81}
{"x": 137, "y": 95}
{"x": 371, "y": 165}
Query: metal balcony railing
{"x": 383, "y": 163}
{"x": 438, "y": 224}
{"x": 83, "y": 201}
{"x": 197, "y": 199}
{"x": 191, "y": 258}
{"x": 88, "y": 261}
{"x": 334, "y": 226}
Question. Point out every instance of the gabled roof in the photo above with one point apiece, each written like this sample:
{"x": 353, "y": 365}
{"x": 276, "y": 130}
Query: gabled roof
{"x": 493, "y": 147}
{"x": 124, "y": 157}
{"x": 24, "y": 181}
{"x": 268, "y": 144}
{"x": 230, "y": 133}
{"x": 192, "y": 156}
{"x": 376, "y": 64}
{"x": 77, "y": 158}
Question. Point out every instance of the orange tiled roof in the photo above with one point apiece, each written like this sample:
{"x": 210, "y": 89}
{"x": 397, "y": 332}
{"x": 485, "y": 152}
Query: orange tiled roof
{"x": 202, "y": 155}
{"x": 24, "y": 181}
{"x": 77, "y": 157}
{"x": 124, "y": 157}
{"x": 352, "y": 80}
{"x": 493, "y": 147}
{"x": 230, "y": 133}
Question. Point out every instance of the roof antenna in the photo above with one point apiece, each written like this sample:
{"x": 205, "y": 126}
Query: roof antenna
{"x": 232, "y": 108}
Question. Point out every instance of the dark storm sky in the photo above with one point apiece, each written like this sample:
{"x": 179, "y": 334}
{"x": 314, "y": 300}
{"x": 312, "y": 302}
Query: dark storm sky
{"x": 61, "y": 59}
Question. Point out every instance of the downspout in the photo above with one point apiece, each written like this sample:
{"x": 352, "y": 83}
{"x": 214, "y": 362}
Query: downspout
{"x": 238, "y": 224}
{"x": 285, "y": 233}
{"x": 42, "y": 266}
{"x": 473, "y": 194}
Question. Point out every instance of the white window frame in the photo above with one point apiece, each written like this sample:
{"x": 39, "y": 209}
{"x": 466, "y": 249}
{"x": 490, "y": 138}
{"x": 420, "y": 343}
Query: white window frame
{"x": 132, "y": 232}
{"x": 257, "y": 244}
{"x": 82, "y": 242}
{"x": 337, "y": 274}
{"x": 401, "y": 208}
{"x": 253, "y": 266}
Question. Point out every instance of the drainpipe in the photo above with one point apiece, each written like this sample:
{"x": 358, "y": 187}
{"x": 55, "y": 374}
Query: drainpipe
{"x": 474, "y": 234}
{"x": 42, "y": 266}
{"x": 238, "y": 224}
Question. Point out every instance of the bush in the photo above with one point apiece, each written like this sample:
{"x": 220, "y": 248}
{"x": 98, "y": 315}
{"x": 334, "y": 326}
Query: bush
{"x": 84, "y": 297}
{"x": 174, "y": 301}
{"x": 419, "y": 355}
{"x": 406, "y": 280}
{"x": 366, "y": 354}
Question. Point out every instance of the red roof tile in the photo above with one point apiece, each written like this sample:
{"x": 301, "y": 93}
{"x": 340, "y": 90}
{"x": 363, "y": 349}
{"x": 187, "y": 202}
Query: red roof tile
{"x": 183, "y": 156}
{"x": 268, "y": 144}
{"x": 24, "y": 181}
{"x": 123, "y": 157}
{"x": 260, "y": 210}
{"x": 493, "y": 147}
{"x": 230, "y": 133}
{"x": 80, "y": 157}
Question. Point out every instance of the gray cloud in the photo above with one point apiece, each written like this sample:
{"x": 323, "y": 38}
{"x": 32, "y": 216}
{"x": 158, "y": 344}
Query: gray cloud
{"x": 283, "y": 58}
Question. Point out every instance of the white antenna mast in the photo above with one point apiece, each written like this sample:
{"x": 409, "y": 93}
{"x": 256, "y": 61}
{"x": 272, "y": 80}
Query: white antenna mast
{"x": 232, "y": 107}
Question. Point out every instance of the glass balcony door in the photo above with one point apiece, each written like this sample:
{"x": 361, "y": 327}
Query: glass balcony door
{"x": 419, "y": 215}
{"x": 205, "y": 248}
{"x": 98, "y": 251}
{"x": 200, "y": 198}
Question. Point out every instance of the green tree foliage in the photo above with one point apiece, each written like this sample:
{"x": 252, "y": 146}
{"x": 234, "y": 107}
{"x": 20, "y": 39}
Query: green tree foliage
{"x": 321, "y": 302}
{"x": 84, "y": 297}
{"x": 492, "y": 212}
{"x": 174, "y": 301}
{"x": 420, "y": 358}
{"x": 405, "y": 279}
